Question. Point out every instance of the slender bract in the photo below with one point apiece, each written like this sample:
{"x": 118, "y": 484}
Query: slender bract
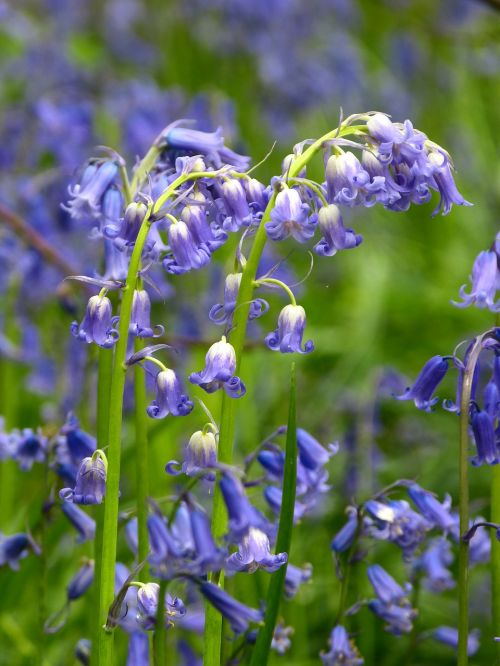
{"x": 276, "y": 585}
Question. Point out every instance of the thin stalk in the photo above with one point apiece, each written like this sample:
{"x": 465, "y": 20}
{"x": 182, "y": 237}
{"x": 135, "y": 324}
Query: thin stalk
{"x": 495, "y": 554}
{"x": 275, "y": 592}
{"x": 463, "y": 474}
{"x": 104, "y": 370}
{"x": 160, "y": 635}
{"x": 141, "y": 461}
{"x": 213, "y": 620}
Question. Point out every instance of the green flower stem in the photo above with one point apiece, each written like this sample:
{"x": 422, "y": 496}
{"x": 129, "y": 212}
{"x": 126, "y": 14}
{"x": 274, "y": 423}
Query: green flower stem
{"x": 278, "y": 283}
{"x": 141, "y": 460}
{"x": 275, "y": 592}
{"x": 160, "y": 635}
{"x": 463, "y": 473}
{"x": 213, "y": 620}
{"x": 104, "y": 370}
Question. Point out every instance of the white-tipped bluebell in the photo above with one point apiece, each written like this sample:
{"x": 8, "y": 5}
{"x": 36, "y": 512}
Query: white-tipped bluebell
{"x": 147, "y": 605}
{"x": 254, "y": 552}
{"x": 90, "y": 486}
{"x": 169, "y": 397}
{"x": 220, "y": 366}
{"x": 185, "y": 253}
{"x": 140, "y": 318}
{"x": 291, "y": 217}
{"x": 335, "y": 236}
{"x": 98, "y": 325}
{"x": 287, "y": 338}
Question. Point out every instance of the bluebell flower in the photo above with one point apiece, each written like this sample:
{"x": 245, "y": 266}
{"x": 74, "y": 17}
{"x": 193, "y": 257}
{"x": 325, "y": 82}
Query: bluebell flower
{"x": 98, "y": 325}
{"x": 138, "y": 649}
{"x": 125, "y": 234}
{"x": 491, "y": 396}
{"x": 431, "y": 508}
{"x": 111, "y": 207}
{"x": 237, "y": 614}
{"x": 291, "y": 217}
{"x": 392, "y": 604}
{"x": 236, "y": 210}
{"x": 483, "y": 429}
{"x": 273, "y": 462}
{"x": 86, "y": 196}
{"x": 210, "y": 144}
{"x": 169, "y": 397}
{"x": 287, "y": 338}
{"x": 132, "y": 535}
{"x": 222, "y": 313}
{"x": 200, "y": 454}
{"x": 242, "y": 514}
{"x": 257, "y": 194}
{"x": 344, "y": 538}
{"x": 140, "y": 322}
{"x": 442, "y": 178}
{"x": 479, "y": 545}
{"x": 342, "y": 652}
{"x": 84, "y": 524}
{"x": 14, "y": 548}
{"x": 254, "y": 552}
{"x": 147, "y": 605}
{"x": 449, "y": 636}
{"x": 81, "y": 581}
{"x": 220, "y": 366}
{"x": 311, "y": 453}
{"x": 208, "y": 557}
{"x": 79, "y": 443}
{"x": 186, "y": 254}
{"x": 426, "y": 383}
{"x": 395, "y": 521}
{"x": 30, "y": 447}
{"x": 484, "y": 280}
{"x": 164, "y": 547}
{"x": 349, "y": 184}
{"x": 195, "y": 217}
{"x": 281, "y": 641}
{"x": 90, "y": 486}
{"x": 433, "y": 562}
{"x": 295, "y": 577}
{"x": 335, "y": 236}
{"x": 274, "y": 496}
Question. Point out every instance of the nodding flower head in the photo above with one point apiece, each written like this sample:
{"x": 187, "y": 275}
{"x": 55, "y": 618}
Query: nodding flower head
{"x": 140, "y": 322}
{"x": 483, "y": 429}
{"x": 147, "y": 605}
{"x": 200, "y": 454}
{"x": 335, "y": 236}
{"x": 30, "y": 447}
{"x": 84, "y": 525}
{"x": 186, "y": 254}
{"x": 169, "y": 397}
{"x": 295, "y": 577}
{"x": 392, "y": 604}
{"x": 430, "y": 377}
{"x": 236, "y": 209}
{"x": 444, "y": 183}
{"x": 291, "y": 217}
{"x": 349, "y": 184}
{"x": 484, "y": 278}
{"x": 13, "y": 548}
{"x": 342, "y": 650}
{"x": 433, "y": 562}
{"x": 254, "y": 552}
{"x": 344, "y": 538}
{"x": 98, "y": 325}
{"x": 125, "y": 233}
{"x": 287, "y": 338}
{"x": 395, "y": 521}
{"x": 237, "y": 614}
{"x": 90, "y": 487}
{"x": 86, "y": 196}
{"x": 222, "y": 313}
{"x": 431, "y": 508}
{"x": 311, "y": 453}
{"x": 81, "y": 581}
{"x": 195, "y": 217}
{"x": 242, "y": 514}
{"x": 220, "y": 366}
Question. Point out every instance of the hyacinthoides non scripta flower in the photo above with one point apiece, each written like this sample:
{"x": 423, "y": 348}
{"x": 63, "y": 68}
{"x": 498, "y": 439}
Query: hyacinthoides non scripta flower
{"x": 187, "y": 172}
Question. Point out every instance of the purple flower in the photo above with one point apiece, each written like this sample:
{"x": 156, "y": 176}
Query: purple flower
{"x": 290, "y": 217}
{"x": 147, "y": 605}
{"x": 169, "y": 397}
{"x": 348, "y": 184}
{"x": 392, "y": 604}
{"x": 84, "y": 525}
{"x": 13, "y": 548}
{"x": 125, "y": 234}
{"x": 140, "y": 323}
{"x": 237, "y": 614}
{"x": 449, "y": 636}
{"x": 98, "y": 325}
{"x": 287, "y": 338}
{"x": 236, "y": 210}
{"x": 433, "y": 562}
{"x": 295, "y": 577}
{"x": 344, "y": 538}
{"x": 208, "y": 557}
{"x": 195, "y": 217}
{"x": 484, "y": 280}
{"x": 274, "y": 496}
{"x": 138, "y": 649}
{"x": 79, "y": 444}
{"x": 395, "y": 521}
{"x": 200, "y": 454}
{"x": 90, "y": 487}
{"x": 30, "y": 447}
{"x": 222, "y": 313}
{"x": 186, "y": 254}
{"x": 311, "y": 453}
{"x": 444, "y": 183}
{"x": 342, "y": 652}
{"x": 281, "y": 642}
{"x": 254, "y": 553}
{"x": 86, "y": 196}
{"x": 220, "y": 366}
{"x": 335, "y": 236}
{"x": 242, "y": 515}
{"x": 81, "y": 581}
{"x": 429, "y": 506}
{"x": 426, "y": 383}
{"x": 483, "y": 429}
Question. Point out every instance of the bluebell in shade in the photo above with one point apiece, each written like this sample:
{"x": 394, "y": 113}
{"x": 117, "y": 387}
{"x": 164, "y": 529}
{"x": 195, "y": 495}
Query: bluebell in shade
{"x": 237, "y": 212}
{"x": 295, "y": 577}
{"x": 392, "y": 604}
{"x": 90, "y": 487}
{"x": 222, "y": 313}
{"x": 344, "y": 538}
{"x": 483, "y": 429}
{"x": 14, "y": 548}
{"x": 335, "y": 236}
{"x": 147, "y": 605}
{"x": 237, "y": 614}
{"x": 30, "y": 448}
{"x": 98, "y": 325}
{"x": 342, "y": 651}
{"x": 164, "y": 547}
{"x": 434, "y": 563}
{"x": 312, "y": 454}
{"x": 431, "y": 375}
{"x": 138, "y": 649}
{"x": 81, "y": 581}
{"x": 242, "y": 514}
{"x": 140, "y": 318}
{"x": 449, "y": 636}
{"x": 287, "y": 338}
{"x": 208, "y": 557}
{"x": 274, "y": 496}
{"x": 396, "y": 522}
{"x": 185, "y": 253}
{"x": 86, "y": 196}
{"x": 80, "y": 444}
{"x": 169, "y": 397}
{"x": 84, "y": 524}
{"x": 220, "y": 366}
{"x": 484, "y": 280}
{"x": 291, "y": 217}
{"x": 479, "y": 545}
{"x": 254, "y": 552}
{"x": 431, "y": 508}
